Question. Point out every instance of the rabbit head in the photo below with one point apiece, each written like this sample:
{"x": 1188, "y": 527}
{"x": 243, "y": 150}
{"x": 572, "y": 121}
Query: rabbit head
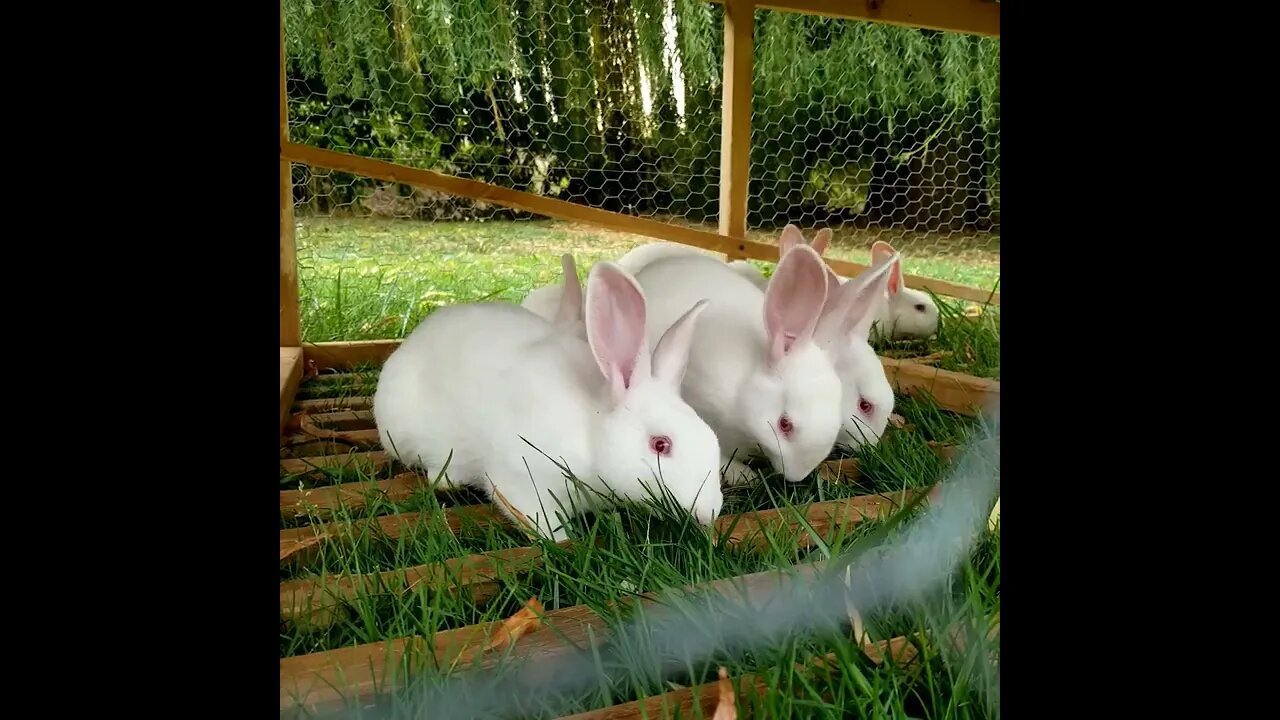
{"x": 911, "y": 313}
{"x": 852, "y": 307}
{"x": 793, "y": 403}
{"x": 648, "y": 432}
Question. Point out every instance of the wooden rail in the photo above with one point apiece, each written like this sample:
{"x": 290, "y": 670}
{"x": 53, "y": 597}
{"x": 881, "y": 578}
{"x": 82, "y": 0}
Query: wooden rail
{"x": 311, "y": 599}
{"x": 972, "y": 17}
{"x": 290, "y": 378}
{"x": 957, "y": 392}
{"x": 733, "y": 246}
{"x": 296, "y": 540}
{"x": 324, "y": 681}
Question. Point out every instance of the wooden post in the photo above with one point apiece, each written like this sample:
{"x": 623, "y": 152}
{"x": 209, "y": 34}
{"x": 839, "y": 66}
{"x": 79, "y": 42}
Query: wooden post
{"x": 290, "y": 318}
{"x": 735, "y": 122}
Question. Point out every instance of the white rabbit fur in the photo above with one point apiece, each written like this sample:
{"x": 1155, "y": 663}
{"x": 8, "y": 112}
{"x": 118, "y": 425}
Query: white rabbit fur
{"x": 545, "y": 301}
{"x": 479, "y": 380}
{"x": 867, "y": 398}
{"x": 909, "y": 313}
{"x": 757, "y": 358}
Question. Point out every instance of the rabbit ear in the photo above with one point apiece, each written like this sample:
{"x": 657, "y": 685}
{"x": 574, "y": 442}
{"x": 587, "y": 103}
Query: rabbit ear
{"x": 797, "y": 291}
{"x": 852, "y": 310}
{"x": 821, "y": 240}
{"x": 671, "y": 354}
{"x": 790, "y": 237}
{"x": 881, "y": 249}
{"x": 615, "y": 313}
{"x": 570, "y": 310}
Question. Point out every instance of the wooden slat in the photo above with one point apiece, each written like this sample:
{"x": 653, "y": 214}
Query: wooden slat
{"x": 322, "y": 405}
{"x": 310, "y": 599}
{"x": 363, "y": 439}
{"x": 735, "y": 123}
{"x": 973, "y": 17}
{"x": 351, "y": 495}
{"x": 323, "y": 416}
{"x": 564, "y": 210}
{"x": 295, "y": 540}
{"x": 345, "y": 355}
{"x": 750, "y": 528}
{"x": 374, "y": 460}
{"x": 290, "y": 315}
{"x": 840, "y": 471}
{"x": 319, "y": 681}
{"x": 678, "y": 703}
{"x": 706, "y": 697}
{"x": 290, "y": 376}
{"x": 957, "y": 392}
{"x": 529, "y": 202}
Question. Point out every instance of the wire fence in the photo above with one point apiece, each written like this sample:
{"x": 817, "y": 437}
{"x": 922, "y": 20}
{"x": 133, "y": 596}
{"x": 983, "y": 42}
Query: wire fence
{"x": 878, "y": 132}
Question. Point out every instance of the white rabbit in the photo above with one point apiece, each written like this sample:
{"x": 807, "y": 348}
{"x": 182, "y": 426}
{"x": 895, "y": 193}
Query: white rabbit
{"x": 910, "y": 313}
{"x": 758, "y": 373}
{"x": 517, "y": 402}
{"x": 867, "y": 398}
{"x": 545, "y": 301}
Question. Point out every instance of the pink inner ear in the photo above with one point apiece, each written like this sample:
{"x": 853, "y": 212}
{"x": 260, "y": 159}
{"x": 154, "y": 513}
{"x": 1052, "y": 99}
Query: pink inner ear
{"x": 895, "y": 278}
{"x": 615, "y": 325}
{"x": 791, "y": 236}
{"x": 820, "y": 242}
{"x": 795, "y": 298}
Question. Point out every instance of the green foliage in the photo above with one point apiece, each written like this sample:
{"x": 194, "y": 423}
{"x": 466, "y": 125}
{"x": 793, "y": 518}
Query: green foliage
{"x": 516, "y": 92}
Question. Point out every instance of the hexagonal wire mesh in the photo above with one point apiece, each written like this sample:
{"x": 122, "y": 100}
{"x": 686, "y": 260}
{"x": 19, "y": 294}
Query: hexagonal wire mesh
{"x": 866, "y": 128}
{"x": 880, "y": 133}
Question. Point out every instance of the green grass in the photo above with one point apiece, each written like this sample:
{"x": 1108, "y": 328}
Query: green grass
{"x": 366, "y": 279}
{"x": 639, "y": 549}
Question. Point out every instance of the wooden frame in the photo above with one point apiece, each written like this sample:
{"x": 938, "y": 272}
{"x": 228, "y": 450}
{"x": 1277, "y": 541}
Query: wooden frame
{"x": 319, "y": 681}
{"x": 957, "y": 392}
{"x": 367, "y": 667}
{"x": 967, "y": 16}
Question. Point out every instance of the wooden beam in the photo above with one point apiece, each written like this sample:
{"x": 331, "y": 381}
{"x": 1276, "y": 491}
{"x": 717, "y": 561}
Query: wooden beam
{"x": 350, "y": 495}
{"x": 321, "y": 405}
{"x": 973, "y": 17}
{"x": 529, "y": 202}
{"x": 706, "y": 697}
{"x": 311, "y": 600}
{"x": 290, "y": 315}
{"x": 957, "y": 392}
{"x": 322, "y": 681}
{"x": 373, "y": 461}
{"x": 954, "y": 391}
{"x": 754, "y": 529}
{"x": 290, "y": 377}
{"x": 348, "y": 355}
{"x": 391, "y": 527}
{"x": 735, "y": 246}
{"x": 735, "y": 119}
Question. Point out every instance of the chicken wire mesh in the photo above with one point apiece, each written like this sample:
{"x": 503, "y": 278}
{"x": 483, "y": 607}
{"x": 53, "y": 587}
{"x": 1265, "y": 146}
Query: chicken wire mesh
{"x": 879, "y": 132}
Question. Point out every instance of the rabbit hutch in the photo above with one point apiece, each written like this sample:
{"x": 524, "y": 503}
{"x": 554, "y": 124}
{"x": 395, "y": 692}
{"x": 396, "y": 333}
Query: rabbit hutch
{"x": 878, "y": 119}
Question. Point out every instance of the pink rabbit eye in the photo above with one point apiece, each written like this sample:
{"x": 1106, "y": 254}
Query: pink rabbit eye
{"x": 784, "y": 424}
{"x": 920, "y": 307}
{"x": 865, "y": 407}
{"x": 660, "y": 444}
